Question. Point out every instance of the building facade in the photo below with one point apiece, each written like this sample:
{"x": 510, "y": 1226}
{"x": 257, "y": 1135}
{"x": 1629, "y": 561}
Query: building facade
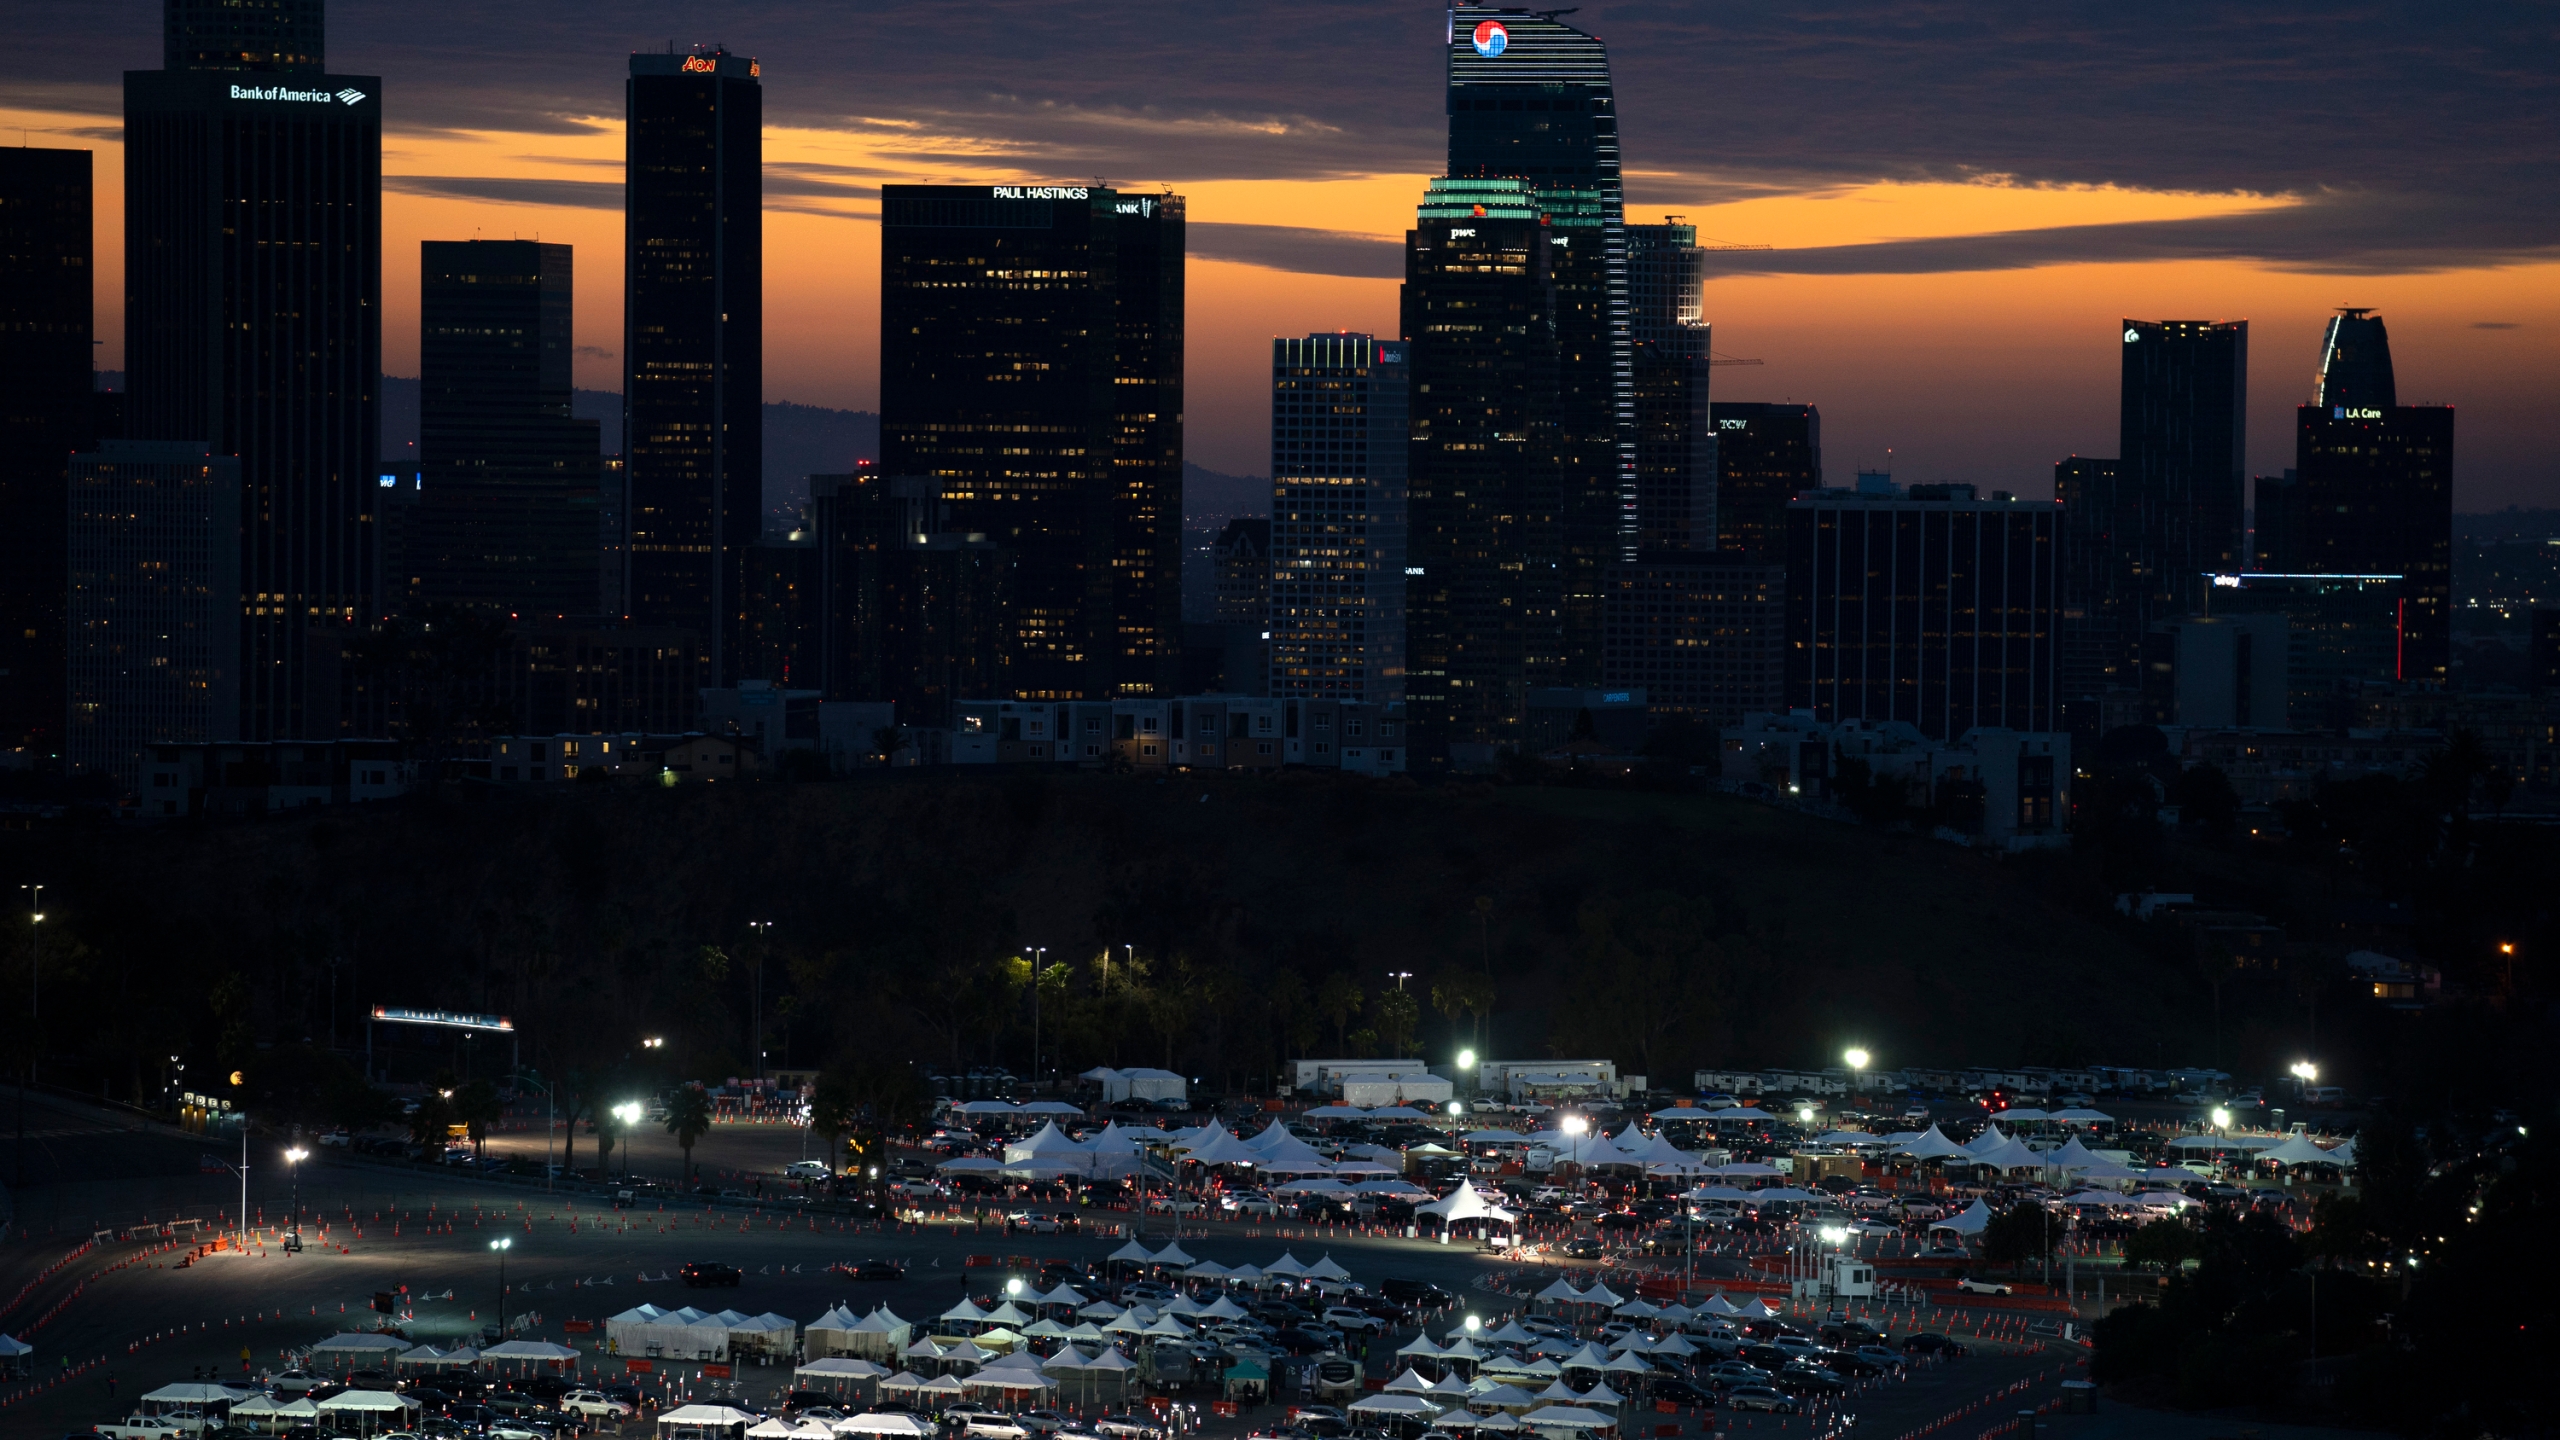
{"x": 2377, "y": 488}
{"x": 153, "y": 574}
{"x": 909, "y": 611}
{"x": 253, "y": 319}
{"x": 1484, "y": 559}
{"x": 1530, "y": 98}
{"x": 506, "y": 512}
{"x": 1675, "y": 426}
{"x": 1933, "y": 609}
{"x": 47, "y": 411}
{"x": 1765, "y": 456}
{"x": 1703, "y": 636}
{"x": 693, "y": 342}
{"x": 1031, "y": 341}
{"x": 1335, "y": 573}
{"x": 2176, "y": 514}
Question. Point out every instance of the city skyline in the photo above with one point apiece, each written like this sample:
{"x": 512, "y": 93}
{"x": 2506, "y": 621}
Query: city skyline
{"x": 2016, "y": 246}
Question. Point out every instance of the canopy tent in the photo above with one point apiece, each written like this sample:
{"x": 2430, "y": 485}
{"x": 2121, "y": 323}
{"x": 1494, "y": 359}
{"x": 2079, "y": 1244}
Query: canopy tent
{"x": 2211, "y": 1142}
{"x": 1337, "y": 1112}
{"x": 840, "y": 1372}
{"x": 1408, "y": 1383}
{"x": 356, "y": 1350}
{"x": 1385, "y": 1404}
{"x": 1222, "y": 1149}
{"x": 780, "y": 1429}
{"x": 1991, "y": 1138}
{"x": 2082, "y": 1115}
{"x": 1049, "y": 1107}
{"x": 1851, "y": 1138}
{"x": 1970, "y": 1222}
{"x": 905, "y": 1427}
{"x": 2296, "y": 1150}
{"x": 1494, "y": 1137}
{"x": 1287, "y": 1265}
{"x": 2345, "y": 1153}
{"x": 1276, "y": 1143}
{"x": 1500, "y": 1397}
{"x": 1933, "y": 1144}
{"x": 705, "y": 1422}
{"x": 2011, "y": 1155}
{"x": 2022, "y": 1113}
{"x": 365, "y": 1412}
{"x": 1325, "y": 1269}
{"x": 1349, "y": 1169}
{"x": 2073, "y": 1156}
{"x": 984, "y": 1107}
{"x": 1466, "y": 1420}
{"x": 1747, "y": 1170}
{"x": 1172, "y": 1254}
{"x": 1463, "y": 1204}
{"x": 2170, "y": 1199}
{"x": 1398, "y": 1112}
{"x": 1675, "y": 1343}
{"x": 1567, "y": 1418}
{"x": 1049, "y": 1144}
{"x": 686, "y": 1334}
{"x": 261, "y": 1413}
{"x": 193, "y": 1395}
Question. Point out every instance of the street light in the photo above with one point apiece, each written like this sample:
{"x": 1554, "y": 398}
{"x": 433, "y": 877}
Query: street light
{"x": 1834, "y": 1234}
{"x": 2305, "y": 1071}
{"x": 1574, "y": 1125}
{"x": 629, "y": 1113}
{"x": 654, "y": 1042}
{"x": 764, "y": 942}
{"x": 1400, "y": 976}
{"x": 294, "y": 1158}
{"x": 502, "y": 1245}
{"x": 1473, "y": 1324}
{"x": 1457, "y": 1109}
{"x": 2221, "y": 1118}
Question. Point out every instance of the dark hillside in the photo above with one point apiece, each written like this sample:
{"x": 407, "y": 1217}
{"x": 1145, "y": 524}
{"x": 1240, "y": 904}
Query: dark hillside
{"x": 1266, "y": 917}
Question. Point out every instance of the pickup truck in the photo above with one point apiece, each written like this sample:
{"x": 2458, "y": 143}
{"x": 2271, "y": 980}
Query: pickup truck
{"x": 152, "y": 1427}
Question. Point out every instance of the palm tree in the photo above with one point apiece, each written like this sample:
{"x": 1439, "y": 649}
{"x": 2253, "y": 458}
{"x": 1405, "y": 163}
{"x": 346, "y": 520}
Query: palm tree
{"x": 476, "y": 1106}
{"x": 689, "y": 1119}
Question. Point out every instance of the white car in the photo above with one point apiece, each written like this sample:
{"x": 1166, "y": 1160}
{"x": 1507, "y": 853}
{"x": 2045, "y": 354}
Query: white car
{"x": 594, "y": 1402}
{"x": 1877, "y": 1228}
{"x": 996, "y": 1427}
{"x": 1130, "y": 1427}
{"x": 807, "y": 1170}
{"x": 1971, "y": 1286}
{"x": 1344, "y": 1318}
{"x": 151, "y": 1427}
{"x": 1041, "y": 1422}
{"x": 1253, "y": 1204}
{"x": 335, "y": 1138}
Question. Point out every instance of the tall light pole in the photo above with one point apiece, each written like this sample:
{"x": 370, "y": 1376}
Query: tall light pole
{"x": 1038, "y": 954}
{"x": 764, "y": 942}
{"x": 629, "y": 1113}
{"x": 1857, "y": 1058}
{"x": 35, "y": 967}
{"x": 502, "y": 1244}
{"x": 293, "y": 1159}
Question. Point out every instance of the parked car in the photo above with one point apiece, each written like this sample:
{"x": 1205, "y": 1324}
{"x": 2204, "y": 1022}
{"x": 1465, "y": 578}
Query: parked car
{"x": 151, "y": 1427}
{"x": 1972, "y": 1285}
{"x": 808, "y": 1170}
{"x": 1761, "y": 1397}
{"x": 1926, "y": 1343}
{"x": 1880, "y": 1355}
{"x": 593, "y": 1403}
{"x": 1041, "y": 1422}
{"x": 1419, "y": 1293}
{"x": 1343, "y": 1317}
{"x": 1681, "y": 1392}
{"x": 702, "y": 1274}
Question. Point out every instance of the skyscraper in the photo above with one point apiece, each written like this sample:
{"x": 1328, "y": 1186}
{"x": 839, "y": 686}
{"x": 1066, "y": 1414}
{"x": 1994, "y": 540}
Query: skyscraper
{"x": 1675, "y": 430}
{"x": 506, "y": 512}
{"x": 909, "y": 611}
{"x": 2377, "y": 487}
{"x": 2183, "y": 477}
{"x": 253, "y": 315}
{"x": 1530, "y": 98}
{"x": 2096, "y": 656}
{"x": 1031, "y": 343}
{"x": 693, "y": 342}
{"x": 1484, "y": 554}
{"x": 1934, "y": 608}
{"x": 1337, "y": 581}
{"x": 153, "y": 558}
{"x": 47, "y": 410}
{"x": 1765, "y": 454}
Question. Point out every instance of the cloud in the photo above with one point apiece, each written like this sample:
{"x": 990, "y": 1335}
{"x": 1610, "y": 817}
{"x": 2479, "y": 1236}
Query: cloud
{"x": 1291, "y": 247}
{"x": 569, "y": 194}
{"x": 593, "y": 352}
{"x": 2495, "y": 325}
{"x": 2431, "y": 122}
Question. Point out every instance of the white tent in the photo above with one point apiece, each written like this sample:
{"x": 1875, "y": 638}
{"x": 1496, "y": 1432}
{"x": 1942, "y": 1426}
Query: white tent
{"x": 1287, "y": 1264}
{"x": 1047, "y": 1145}
{"x": 1465, "y": 1203}
{"x": 365, "y": 1412}
{"x": 2010, "y": 1155}
{"x": 1276, "y": 1143}
{"x": 260, "y": 1413}
{"x": 1404, "y": 1405}
{"x": 2345, "y": 1153}
{"x": 1172, "y": 1254}
{"x": 1933, "y": 1144}
{"x": 1970, "y": 1222}
{"x": 1408, "y": 1383}
{"x": 1567, "y": 1418}
{"x": 1325, "y": 1269}
{"x": 842, "y": 1369}
{"x": 2082, "y": 1115}
{"x": 705, "y": 1422}
{"x": 780, "y": 1429}
{"x": 1049, "y": 1107}
{"x": 1139, "y": 1082}
{"x": 212, "y": 1399}
{"x": 356, "y": 1350}
{"x": 1336, "y": 1112}
{"x": 906, "y": 1427}
{"x": 1223, "y": 1149}
{"x": 1991, "y": 1138}
{"x": 2297, "y": 1150}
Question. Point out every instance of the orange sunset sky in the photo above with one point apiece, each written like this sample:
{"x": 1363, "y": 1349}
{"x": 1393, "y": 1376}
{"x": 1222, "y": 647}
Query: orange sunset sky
{"x": 1953, "y": 304}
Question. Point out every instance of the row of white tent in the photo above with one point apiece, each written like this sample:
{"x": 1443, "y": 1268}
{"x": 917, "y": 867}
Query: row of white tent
{"x": 358, "y": 1349}
{"x": 691, "y": 1334}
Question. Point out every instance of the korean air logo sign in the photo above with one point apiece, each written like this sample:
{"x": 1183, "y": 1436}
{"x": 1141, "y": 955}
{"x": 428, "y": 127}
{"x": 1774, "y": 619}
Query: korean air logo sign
{"x": 1491, "y": 39}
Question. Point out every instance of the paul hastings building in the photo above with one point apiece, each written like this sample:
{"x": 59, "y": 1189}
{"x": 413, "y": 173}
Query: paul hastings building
{"x": 1031, "y": 368}
{"x": 253, "y": 319}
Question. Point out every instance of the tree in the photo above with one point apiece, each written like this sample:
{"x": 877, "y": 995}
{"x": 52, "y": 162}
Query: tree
{"x": 1396, "y": 1013}
{"x": 2206, "y": 800}
{"x": 1463, "y": 992}
{"x": 2163, "y": 1245}
{"x": 432, "y": 1122}
{"x": 1338, "y": 999}
{"x": 2018, "y": 1235}
{"x": 476, "y": 1107}
{"x": 689, "y": 1119}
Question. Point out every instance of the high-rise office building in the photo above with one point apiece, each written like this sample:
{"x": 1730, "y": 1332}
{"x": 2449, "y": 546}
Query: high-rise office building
{"x": 2095, "y": 655}
{"x": 1675, "y": 429}
{"x": 2342, "y": 632}
{"x": 2182, "y": 486}
{"x": 1337, "y": 552}
{"x": 779, "y": 623}
{"x": 2277, "y": 522}
{"x": 693, "y": 343}
{"x": 1933, "y": 608}
{"x": 1484, "y": 552}
{"x": 253, "y": 320}
{"x": 1241, "y": 561}
{"x": 1530, "y": 98}
{"x": 908, "y": 610}
{"x": 1031, "y": 342}
{"x": 48, "y": 409}
{"x": 1765, "y": 455}
{"x": 505, "y": 515}
{"x": 153, "y": 559}
{"x": 1703, "y": 636}
{"x": 2377, "y": 488}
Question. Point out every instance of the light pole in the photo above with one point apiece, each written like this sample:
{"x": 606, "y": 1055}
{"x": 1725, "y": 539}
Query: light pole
{"x": 1466, "y": 1062}
{"x": 293, "y": 1159}
{"x": 1038, "y": 953}
{"x": 502, "y": 1244}
{"x": 629, "y": 1113}
{"x": 1857, "y": 1058}
{"x": 764, "y": 942}
{"x": 35, "y": 967}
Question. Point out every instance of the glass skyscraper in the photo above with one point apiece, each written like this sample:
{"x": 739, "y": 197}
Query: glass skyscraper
{"x": 1484, "y": 557}
{"x": 253, "y": 320}
{"x": 1675, "y": 432}
{"x": 2376, "y": 478}
{"x": 47, "y": 410}
{"x": 505, "y": 517}
{"x": 693, "y": 343}
{"x": 1031, "y": 367}
{"x": 1530, "y": 99}
{"x": 1337, "y": 554}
